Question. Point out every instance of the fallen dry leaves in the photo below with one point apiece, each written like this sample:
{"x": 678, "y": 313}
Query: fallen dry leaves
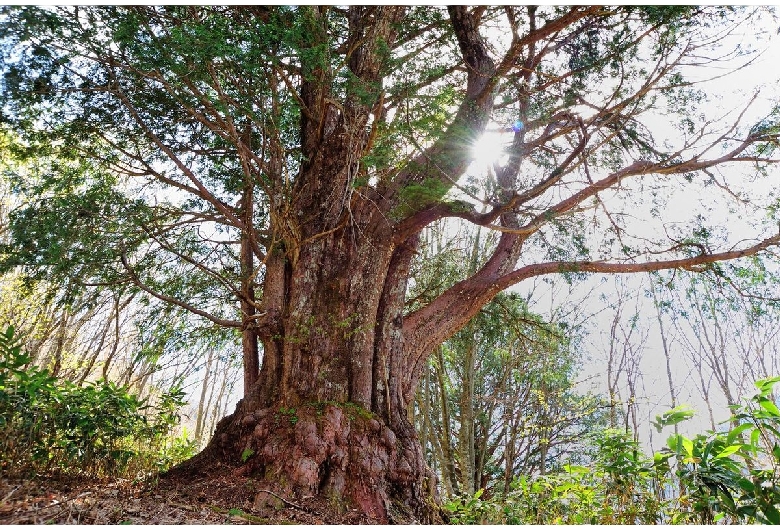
{"x": 58, "y": 500}
{"x": 47, "y": 500}
{"x": 219, "y": 499}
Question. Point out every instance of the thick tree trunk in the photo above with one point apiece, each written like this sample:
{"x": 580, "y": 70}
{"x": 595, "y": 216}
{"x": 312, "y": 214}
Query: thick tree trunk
{"x": 327, "y": 414}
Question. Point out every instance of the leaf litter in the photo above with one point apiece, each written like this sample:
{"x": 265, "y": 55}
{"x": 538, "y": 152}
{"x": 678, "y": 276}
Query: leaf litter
{"x": 219, "y": 498}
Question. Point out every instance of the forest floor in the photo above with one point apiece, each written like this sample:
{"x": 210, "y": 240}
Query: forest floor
{"x": 220, "y": 498}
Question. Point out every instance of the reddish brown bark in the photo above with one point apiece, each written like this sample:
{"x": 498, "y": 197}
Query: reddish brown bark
{"x": 333, "y": 371}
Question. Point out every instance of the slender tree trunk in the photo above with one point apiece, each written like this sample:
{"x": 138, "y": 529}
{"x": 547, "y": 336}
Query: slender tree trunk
{"x": 219, "y": 406}
{"x": 98, "y": 349}
{"x": 249, "y": 344}
{"x": 200, "y": 418}
{"x": 114, "y": 349}
{"x": 467, "y": 420}
{"x": 667, "y": 353}
{"x": 56, "y": 357}
{"x": 614, "y": 369}
{"x": 448, "y": 455}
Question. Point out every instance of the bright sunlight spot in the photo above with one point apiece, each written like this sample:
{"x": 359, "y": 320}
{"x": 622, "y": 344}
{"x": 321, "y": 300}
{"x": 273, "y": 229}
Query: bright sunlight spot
{"x": 490, "y": 147}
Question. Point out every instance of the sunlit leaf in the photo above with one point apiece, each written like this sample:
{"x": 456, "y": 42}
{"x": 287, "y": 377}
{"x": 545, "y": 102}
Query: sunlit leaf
{"x": 730, "y": 450}
{"x": 736, "y": 431}
{"x": 770, "y": 407}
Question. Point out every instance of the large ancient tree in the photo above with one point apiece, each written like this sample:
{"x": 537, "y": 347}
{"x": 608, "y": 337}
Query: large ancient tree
{"x": 270, "y": 169}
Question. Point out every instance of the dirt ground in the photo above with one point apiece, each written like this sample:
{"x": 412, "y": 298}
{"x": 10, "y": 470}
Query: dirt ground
{"x": 220, "y": 498}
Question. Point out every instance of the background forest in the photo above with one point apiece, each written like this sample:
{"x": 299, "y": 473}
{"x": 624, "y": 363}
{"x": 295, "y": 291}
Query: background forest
{"x": 571, "y": 398}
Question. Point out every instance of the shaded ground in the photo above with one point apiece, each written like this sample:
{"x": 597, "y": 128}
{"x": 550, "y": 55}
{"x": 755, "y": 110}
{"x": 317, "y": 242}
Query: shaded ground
{"x": 220, "y": 498}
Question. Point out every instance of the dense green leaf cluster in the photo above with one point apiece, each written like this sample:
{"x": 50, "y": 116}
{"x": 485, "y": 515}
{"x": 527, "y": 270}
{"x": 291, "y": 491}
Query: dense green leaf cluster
{"x": 96, "y": 429}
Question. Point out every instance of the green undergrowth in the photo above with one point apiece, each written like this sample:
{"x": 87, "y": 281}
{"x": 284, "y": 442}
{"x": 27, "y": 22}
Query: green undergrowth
{"x": 96, "y": 429}
{"x": 727, "y": 476}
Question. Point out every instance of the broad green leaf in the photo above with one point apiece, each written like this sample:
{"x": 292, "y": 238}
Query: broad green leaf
{"x": 688, "y": 446}
{"x": 736, "y": 431}
{"x": 673, "y": 416}
{"x": 771, "y": 428}
{"x": 754, "y": 437}
{"x": 765, "y": 385}
{"x": 674, "y": 442}
{"x": 661, "y": 458}
{"x": 772, "y": 514}
{"x": 730, "y": 450}
{"x": 770, "y": 407}
{"x": 708, "y": 449}
{"x": 746, "y": 485}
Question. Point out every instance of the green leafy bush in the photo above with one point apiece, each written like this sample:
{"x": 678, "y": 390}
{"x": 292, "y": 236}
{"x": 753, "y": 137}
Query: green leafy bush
{"x": 733, "y": 475}
{"x": 729, "y": 476}
{"x": 99, "y": 428}
{"x": 618, "y": 488}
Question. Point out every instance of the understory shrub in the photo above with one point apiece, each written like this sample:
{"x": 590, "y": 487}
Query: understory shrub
{"x": 727, "y": 476}
{"x": 98, "y": 429}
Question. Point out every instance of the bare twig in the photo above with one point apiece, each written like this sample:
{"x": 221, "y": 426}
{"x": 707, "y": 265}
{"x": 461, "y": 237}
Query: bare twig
{"x": 290, "y": 503}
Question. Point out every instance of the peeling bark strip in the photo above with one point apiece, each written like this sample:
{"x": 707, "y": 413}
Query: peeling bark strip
{"x": 320, "y": 141}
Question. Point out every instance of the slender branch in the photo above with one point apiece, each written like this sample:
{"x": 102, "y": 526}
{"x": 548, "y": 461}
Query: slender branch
{"x": 203, "y": 192}
{"x": 693, "y": 263}
{"x": 432, "y": 324}
{"x": 165, "y": 298}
